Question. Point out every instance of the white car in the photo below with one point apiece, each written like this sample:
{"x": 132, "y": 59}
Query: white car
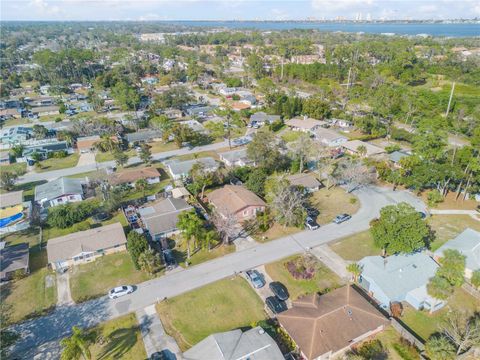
{"x": 120, "y": 291}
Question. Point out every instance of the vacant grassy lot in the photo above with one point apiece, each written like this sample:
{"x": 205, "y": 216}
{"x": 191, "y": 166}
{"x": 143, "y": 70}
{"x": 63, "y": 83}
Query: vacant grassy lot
{"x": 224, "y": 305}
{"x": 332, "y": 202}
{"x": 160, "y": 146}
{"x": 324, "y": 279}
{"x": 446, "y": 227}
{"x": 58, "y": 163}
{"x": 198, "y": 155}
{"x": 425, "y": 324}
{"x": 290, "y": 136}
{"x": 202, "y": 255}
{"x": 18, "y": 168}
{"x": 33, "y": 295}
{"x": 108, "y": 156}
{"x": 96, "y": 278}
{"x": 356, "y": 247}
{"x": 122, "y": 340}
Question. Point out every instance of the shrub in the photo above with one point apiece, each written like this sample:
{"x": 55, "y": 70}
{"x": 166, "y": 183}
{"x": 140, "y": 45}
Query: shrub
{"x": 372, "y": 349}
{"x": 475, "y": 280}
{"x": 302, "y": 268}
{"x": 64, "y": 216}
{"x": 392, "y": 148}
{"x": 434, "y": 198}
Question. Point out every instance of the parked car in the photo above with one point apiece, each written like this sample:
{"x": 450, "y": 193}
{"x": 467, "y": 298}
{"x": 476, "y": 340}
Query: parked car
{"x": 255, "y": 278}
{"x": 277, "y": 306}
{"x": 169, "y": 259}
{"x": 120, "y": 291}
{"x": 279, "y": 290}
{"x": 341, "y": 218}
{"x": 311, "y": 224}
{"x": 312, "y": 212}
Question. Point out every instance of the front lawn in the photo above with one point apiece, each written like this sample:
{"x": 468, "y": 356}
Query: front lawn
{"x": 290, "y": 136}
{"x": 18, "y": 168}
{"x": 33, "y": 295}
{"x": 332, "y": 202}
{"x": 224, "y": 305}
{"x": 160, "y": 146}
{"x": 120, "y": 339}
{"x": 200, "y": 256}
{"x": 356, "y": 247}
{"x": 447, "y": 227}
{"x": 275, "y": 232}
{"x": 58, "y": 163}
{"x": 108, "y": 156}
{"x": 96, "y": 278}
{"x": 323, "y": 280}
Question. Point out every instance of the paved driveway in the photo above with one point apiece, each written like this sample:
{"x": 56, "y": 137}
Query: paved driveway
{"x": 34, "y": 332}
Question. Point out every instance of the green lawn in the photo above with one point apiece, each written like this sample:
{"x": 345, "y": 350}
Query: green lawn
{"x": 356, "y": 247}
{"x": 290, "y": 136}
{"x": 200, "y": 256}
{"x": 30, "y": 296}
{"x": 108, "y": 156}
{"x": 122, "y": 339}
{"x": 224, "y": 305}
{"x": 19, "y": 168}
{"x": 198, "y": 155}
{"x": 160, "y": 146}
{"x": 15, "y": 122}
{"x": 446, "y": 227}
{"x": 30, "y": 236}
{"x": 96, "y": 278}
{"x": 333, "y": 201}
{"x": 397, "y": 349}
{"x": 58, "y": 163}
{"x": 425, "y": 324}
{"x": 323, "y": 280}
{"x": 275, "y": 232}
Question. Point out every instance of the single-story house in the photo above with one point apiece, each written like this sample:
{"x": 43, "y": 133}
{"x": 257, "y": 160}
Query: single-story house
{"x": 143, "y": 136}
{"x": 131, "y": 176}
{"x": 194, "y": 125}
{"x": 305, "y": 124}
{"x": 329, "y": 137}
{"x": 180, "y": 169}
{"x": 86, "y": 144}
{"x": 253, "y": 344}
{"x": 396, "y": 156}
{"x": 13, "y": 258}
{"x": 263, "y": 118}
{"x": 44, "y": 148}
{"x": 353, "y": 147}
{"x": 14, "y": 212}
{"x": 46, "y": 110}
{"x": 16, "y": 135}
{"x": 235, "y": 158}
{"x": 325, "y": 326}
{"x": 236, "y": 200}
{"x": 341, "y": 123}
{"x": 306, "y": 180}
{"x": 85, "y": 246}
{"x": 468, "y": 244}
{"x": 161, "y": 217}
{"x": 173, "y": 113}
{"x": 400, "y": 278}
{"x": 60, "y": 191}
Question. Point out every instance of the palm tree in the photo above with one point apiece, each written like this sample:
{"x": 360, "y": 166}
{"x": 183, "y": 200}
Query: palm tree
{"x": 355, "y": 269}
{"x": 75, "y": 346}
{"x": 141, "y": 184}
{"x": 106, "y": 143}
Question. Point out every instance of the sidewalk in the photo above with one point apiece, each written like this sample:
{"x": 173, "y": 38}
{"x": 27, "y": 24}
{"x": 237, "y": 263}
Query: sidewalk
{"x": 331, "y": 260}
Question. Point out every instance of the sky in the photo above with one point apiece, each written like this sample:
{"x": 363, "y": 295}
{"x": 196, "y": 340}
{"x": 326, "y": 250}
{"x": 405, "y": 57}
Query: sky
{"x": 236, "y": 9}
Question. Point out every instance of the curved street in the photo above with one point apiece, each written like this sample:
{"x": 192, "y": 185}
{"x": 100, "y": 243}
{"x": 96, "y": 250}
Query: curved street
{"x": 44, "y": 332}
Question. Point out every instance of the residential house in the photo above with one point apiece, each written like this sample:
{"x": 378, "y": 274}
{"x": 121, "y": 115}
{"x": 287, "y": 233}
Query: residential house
{"x": 354, "y": 147}
{"x": 16, "y": 135}
{"x": 13, "y": 258}
{"x": 308, "y": 181}
{"x": 60, "y": 191}
{"x": 263, "y": 118}
{"x": 396, "y": 156}
{"x": 14, "y": 212}
{"x": 179, "y": 169}
{"x": 143, "y": 136}
{"x": 161, "y": 217}
{"x": 131, "y": 176}
{"x": 468, "y": 244}
{"x": 85, "y": 246}
{"x": 198, "y": 110}
{"x": 227, "y": 91}
{"x": 306, "y": 124}
{"x": 341, "y": 123}
{"x": 86, "y": 144}
{"x": 194, "y": 125}
{"x": 173, "y": 113}
{"x": 402, "y": 277}
{"x": 44, "y": 148}
{"x": 239, "y": 105}
{"x": 329, "y": 137}
{"x": 236, "y": 200}
{"x": 10, "y": 113}
{"x": 235, "y": 158}
{"x": 325, "y": 326}
{"x": 46, "y": 110}
{"x": 253, "y": 344}
{"x": 180, "y": 193}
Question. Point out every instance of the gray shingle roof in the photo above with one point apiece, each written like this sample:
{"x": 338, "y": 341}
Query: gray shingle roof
{"x": 396, "y": 156}
{"x": 58, "y": 187}
{"x": 11, "y": 198}
{"x": 13, "y": 258}
{"x": 162, "y": 216}
{"x": 179, "y": 168}
{"x": 468, "y": 244}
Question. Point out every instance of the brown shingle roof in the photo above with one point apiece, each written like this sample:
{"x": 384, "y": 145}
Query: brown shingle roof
{"x": 132, "y": 175}
{"x": 320, "y": 324}
{"x": 232, "y": 198}
{"x": 104, "y": 237}
{"x": 306, "y": 180}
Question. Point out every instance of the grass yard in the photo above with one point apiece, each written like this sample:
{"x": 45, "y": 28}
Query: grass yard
{"x": 449, "y": 202}
{"x": 15, "y": 122}
{"x": 108, "y": 156}
{"x": 33, "y": 295}
{"x": 275, "y": 232}
{"x": 397, "y": 349}
{"x": 425, "y": 324}
{"x": 18, "y": 168}
{"x": 180, "y": 252}
{"x": 122, "y": 339}
{"x": 323, "y": 280}
{"x": 58, "y": 163}
{"x": 355, "y": 247}
{"x": 30, "y": 236}
{"x": 446, "y": 227}
{"x": 160, "y": 146}
{"x": 290, "y": 136}
{"x": 96, "y": 278}
{"x": 227, "y": 304}
{"x": 333, "y": 201}
{"x": 198, "y": 155}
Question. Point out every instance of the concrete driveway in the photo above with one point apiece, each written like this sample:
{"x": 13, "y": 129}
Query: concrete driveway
{"x": 86, "y": 159}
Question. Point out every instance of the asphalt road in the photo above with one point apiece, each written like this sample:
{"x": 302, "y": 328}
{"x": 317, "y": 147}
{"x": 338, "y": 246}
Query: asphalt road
{"x": 44, "y": 332}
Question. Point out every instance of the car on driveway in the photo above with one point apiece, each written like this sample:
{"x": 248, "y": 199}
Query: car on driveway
{"x": 277, "y": 306}
{"x": 279, "y": 290}
{"x": 341, "y": 218}
{"x": 311, "y": 224}
{"x": 256, "y": 279}
{"x": 120, "y": 291}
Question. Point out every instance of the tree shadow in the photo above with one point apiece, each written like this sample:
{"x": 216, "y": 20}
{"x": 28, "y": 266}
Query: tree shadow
{"x": 120, "y": 342}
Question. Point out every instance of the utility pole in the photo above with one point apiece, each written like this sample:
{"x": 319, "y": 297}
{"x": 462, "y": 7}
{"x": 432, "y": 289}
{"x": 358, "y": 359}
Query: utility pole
{"x": 348, "y": 81}
{"x": 450, "y": 100}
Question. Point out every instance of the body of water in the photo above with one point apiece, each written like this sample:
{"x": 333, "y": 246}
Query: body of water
{"x": 446, "y": 30}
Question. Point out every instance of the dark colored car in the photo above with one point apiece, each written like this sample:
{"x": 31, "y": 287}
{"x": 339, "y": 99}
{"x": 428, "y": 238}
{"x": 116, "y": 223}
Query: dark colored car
{"x": 256, "y": 279}
{"x": 311, "y": 224}
{"x": 341, "y": 218}
{"x": 279, "y": 290}
{"x": 275, "y": 305}
{"x": 170, "y": 261}
{"x": 312, "y": 212}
